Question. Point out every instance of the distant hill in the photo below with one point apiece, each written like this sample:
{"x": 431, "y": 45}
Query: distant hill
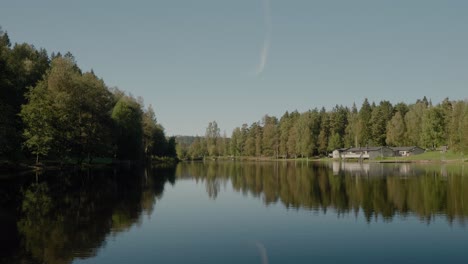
{"x": 185, "y": 140}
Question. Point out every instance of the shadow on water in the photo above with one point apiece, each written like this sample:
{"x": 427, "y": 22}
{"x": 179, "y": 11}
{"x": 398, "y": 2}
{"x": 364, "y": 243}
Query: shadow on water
{"x": 59, "y": 216}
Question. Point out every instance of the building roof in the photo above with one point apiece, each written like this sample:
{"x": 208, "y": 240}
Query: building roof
{"x": 409, "y": 148}
{"x": 342, "y": 149}
{"x": 405, "y": 148}
{"x": 366, "y": 149}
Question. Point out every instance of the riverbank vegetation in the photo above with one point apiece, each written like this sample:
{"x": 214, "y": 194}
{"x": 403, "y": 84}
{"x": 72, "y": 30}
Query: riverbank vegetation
{"x": 317, "y": 132}
{"x": 51, "y": 109}
{"x": 431, "y": 156}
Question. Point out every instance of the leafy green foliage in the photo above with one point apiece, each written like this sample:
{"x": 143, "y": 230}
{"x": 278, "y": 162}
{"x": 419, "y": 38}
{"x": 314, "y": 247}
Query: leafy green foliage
{"x": 212, "y": 134}
{"x": 316, "y": 132}
{"x": 433, "y": 128}
{"x": 38, "y": 118}
{"x": 396, "y": 131}
{"x": 68, "y": 112}
{"x": 127, "y": 117}
{"x": 54, "y": 110}
{"x": 20, "y": 67}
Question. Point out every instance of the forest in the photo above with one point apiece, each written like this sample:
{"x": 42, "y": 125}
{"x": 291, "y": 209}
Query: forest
{"x": 52, "y": 110}
{"x": 317, "y": 132}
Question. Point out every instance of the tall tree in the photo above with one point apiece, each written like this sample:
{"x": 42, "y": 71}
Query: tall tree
{"x": 198, "y": 148}
{"x": 304, "y": 136}
{"x": 293, "y": 134}
{"x": 433, "y": 128}
{"x": 72, "y": 108}
{"x": 413, "y": 121}
{"x": 364, "y": 131}
{"x": 258, "y": 140}
{"x": 270, "y": 136}
{"x": 242, "y": 142}
{"x": 127, "y": 116}
{"x": 378, "y": 127}
{"x": 396, "y": 131}
{"x": 38, "y": 117}
{"x": 149, "y": 126}
{"x": 402, "y": 108}
{"x": 159, "y": 142}
{"x": 338, "y": 120}
{"x": 447, "y": 108}
{"x": 351, "y": 132}
{"x": 334, "y": 142}
{"x": 456, "y": 128}
{"x": 250, "y": 143}
{"x": 20, "y": 68}
{"x": 212, "y": 134}
{"x": 324, "y": 133}
{"x": 171, "y": 148}
{"x": 222, "y": 143}
{"x": 92, "y": 104}
{"x": 235, "y": 144}
{"x": 7, "y": 122}
{"x": 284, "y": 127}
{"x": 464, "y": 128}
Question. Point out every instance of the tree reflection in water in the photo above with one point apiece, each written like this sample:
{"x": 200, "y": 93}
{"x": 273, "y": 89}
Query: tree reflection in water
{"x": 62, "y": 216}
{"x": 70, "y": 215}
{"x": 379, "y": 190}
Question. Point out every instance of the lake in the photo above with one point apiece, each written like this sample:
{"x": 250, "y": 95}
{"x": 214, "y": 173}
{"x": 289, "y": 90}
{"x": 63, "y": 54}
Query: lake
{"x": 238, "y": 212}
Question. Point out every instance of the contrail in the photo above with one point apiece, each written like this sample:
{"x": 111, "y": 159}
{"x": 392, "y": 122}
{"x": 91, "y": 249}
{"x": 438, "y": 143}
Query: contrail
{"x": 266, "y": 42}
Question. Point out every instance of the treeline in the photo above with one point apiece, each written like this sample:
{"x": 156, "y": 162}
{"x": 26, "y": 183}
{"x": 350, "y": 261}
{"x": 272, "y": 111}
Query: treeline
{"x": 212, "y": 144}
{"x": 52, "y": 109}
{"x": 318, "y": 132}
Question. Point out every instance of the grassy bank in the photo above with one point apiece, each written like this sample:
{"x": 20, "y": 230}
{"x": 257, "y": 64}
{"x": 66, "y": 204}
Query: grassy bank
{"x": 431, "y": 156}
{"x": 249, "y": 158}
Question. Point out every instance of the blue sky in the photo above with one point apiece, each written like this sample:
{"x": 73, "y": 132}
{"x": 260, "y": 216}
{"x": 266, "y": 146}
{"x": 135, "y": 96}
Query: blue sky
{"x": 198, "y": 61}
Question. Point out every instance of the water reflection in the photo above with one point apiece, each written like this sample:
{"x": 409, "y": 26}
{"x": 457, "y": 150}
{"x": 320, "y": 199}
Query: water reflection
{"x": 379, "y": 190}
{"x": 58, "y": 217}
{"x": 63, "y": 216}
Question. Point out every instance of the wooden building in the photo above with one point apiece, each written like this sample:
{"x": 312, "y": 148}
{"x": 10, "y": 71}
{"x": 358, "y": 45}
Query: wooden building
{"x": 363, "y": 153}
{"x": 407, "y": 151}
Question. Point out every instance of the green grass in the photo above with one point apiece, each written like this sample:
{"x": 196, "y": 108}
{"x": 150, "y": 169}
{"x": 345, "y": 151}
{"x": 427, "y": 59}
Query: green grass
{"x": 433, "y": 156}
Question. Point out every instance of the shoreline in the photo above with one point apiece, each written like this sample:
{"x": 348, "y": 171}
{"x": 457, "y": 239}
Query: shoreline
{"x": 316, "y": 159}
{"x": 24, "y": 167}
{"x": 21, "y": 167}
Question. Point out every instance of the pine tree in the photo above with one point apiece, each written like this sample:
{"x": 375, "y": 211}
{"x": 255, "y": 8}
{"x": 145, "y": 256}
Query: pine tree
{"x": 364, "y": 129}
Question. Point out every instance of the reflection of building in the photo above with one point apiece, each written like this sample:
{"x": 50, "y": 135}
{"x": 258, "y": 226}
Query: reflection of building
{"x": 351, "y": 167}
{"x": 374, "y": 169}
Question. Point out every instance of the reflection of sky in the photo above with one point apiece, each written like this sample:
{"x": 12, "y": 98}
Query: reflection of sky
{"x": 189, "y": 227}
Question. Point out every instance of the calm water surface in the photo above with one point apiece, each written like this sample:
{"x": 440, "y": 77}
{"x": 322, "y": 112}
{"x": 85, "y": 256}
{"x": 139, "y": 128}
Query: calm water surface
{"x": 238, "y": 213}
